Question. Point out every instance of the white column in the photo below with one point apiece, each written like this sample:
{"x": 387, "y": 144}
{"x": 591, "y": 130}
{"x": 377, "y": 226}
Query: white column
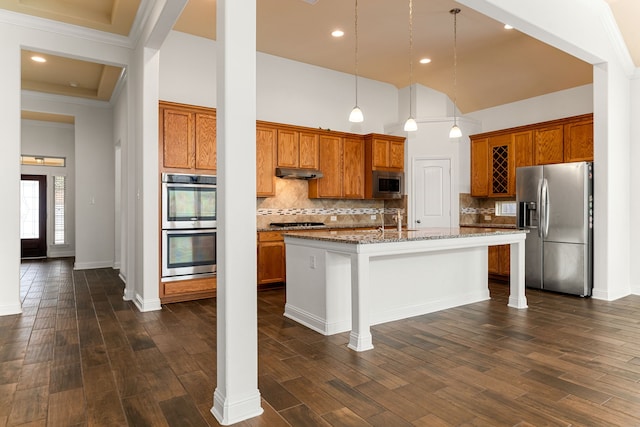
{"x": 10, "y": 173}
{"x": 517, "y": 297}
{"x": 236, "y": 397}
{"x": 360, "y": 337}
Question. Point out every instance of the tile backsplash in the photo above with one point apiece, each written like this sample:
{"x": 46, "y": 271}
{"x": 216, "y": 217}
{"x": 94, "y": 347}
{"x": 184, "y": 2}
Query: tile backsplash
{"x": 481, "y": 210}
{"x": 292, "y": 204}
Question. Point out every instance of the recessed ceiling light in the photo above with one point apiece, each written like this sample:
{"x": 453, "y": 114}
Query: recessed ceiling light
{"x": 337, "y": 33}
{"x": 508, "y": 27}
{"x": 425, "y": 60}
{"x": 37, "y": 58}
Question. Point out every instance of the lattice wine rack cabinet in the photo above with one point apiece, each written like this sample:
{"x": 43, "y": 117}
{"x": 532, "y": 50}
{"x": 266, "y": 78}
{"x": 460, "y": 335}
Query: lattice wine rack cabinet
{"x": 500, "y": 169}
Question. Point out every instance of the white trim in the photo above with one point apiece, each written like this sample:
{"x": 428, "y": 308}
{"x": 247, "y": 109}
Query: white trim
{"x": 146, "y": 305}
{"x": 615, "y": 37}
{"x": 233, "y": 412}
{"x": 6, "y": 310}
{"x": 47, "y": 97}
{"x": 316, "y": 323}
{"x": 92, "y": 264}
{"x": 44, "y": 123}
{"x": 63, "y": 28}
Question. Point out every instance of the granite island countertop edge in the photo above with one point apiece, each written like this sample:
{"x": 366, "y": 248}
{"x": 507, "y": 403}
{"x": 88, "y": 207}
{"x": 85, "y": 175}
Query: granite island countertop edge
{"x": 375, "y": 237}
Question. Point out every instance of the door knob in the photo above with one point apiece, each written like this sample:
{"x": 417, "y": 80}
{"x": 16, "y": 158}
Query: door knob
{"x": 418, "y": 221}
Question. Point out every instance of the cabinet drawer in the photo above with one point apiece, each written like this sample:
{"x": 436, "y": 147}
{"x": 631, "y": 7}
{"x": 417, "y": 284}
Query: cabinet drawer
{"x": 270, "y": 236}
{"x": 188, "y": 286}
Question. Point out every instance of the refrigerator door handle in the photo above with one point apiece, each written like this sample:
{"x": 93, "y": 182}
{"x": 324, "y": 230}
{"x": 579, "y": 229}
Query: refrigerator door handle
{"x": 545, "y": 208}
{"x": 540, "y": 209}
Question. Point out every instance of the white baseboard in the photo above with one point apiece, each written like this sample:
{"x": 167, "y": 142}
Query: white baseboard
{"x": 147, "y": 305}
{"x": 6, "y": 310}
{"x": 92, "y": 264}
{"x": 227, "y": 412}
{"x": 314, "y": 322}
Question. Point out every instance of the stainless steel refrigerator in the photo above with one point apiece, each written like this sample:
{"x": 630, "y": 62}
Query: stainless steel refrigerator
{"x": 555, "y": 202}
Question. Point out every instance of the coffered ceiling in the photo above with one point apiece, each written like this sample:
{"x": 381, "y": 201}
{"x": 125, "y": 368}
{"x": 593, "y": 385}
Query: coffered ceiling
{"x": 495, "y": 66}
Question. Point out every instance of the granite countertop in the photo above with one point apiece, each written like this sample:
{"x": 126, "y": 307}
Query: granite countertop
{"x": 489, "y": 225}
{"x": 320, "y": 227}
{"x": 391, "y": 235}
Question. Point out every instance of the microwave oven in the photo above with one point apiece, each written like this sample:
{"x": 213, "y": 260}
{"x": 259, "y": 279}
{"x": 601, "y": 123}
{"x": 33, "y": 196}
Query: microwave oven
{"x": 387, "y": 185}
{"x": 188, "y": 201}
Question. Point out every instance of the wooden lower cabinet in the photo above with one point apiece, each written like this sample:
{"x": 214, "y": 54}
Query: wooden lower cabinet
{"x": 499, "y": 261}
{"x": 271, "y": 258}
{"x": 187, "y": 290}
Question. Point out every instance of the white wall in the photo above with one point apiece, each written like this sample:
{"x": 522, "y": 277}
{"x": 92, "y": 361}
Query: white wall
{"x": 634, "y": 207}
{"x": 566, "y": 103}
{"x": 287, "y": 91}
{"x": 94, "y": 173}
{"x": 10, "y": 172}
{"x": 56, "y": 140}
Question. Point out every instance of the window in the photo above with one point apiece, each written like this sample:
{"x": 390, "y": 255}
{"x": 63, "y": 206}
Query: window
{"x": 505, "y": 208}
{"x": 59, "y": 184}
{"x": 42, "y": 160}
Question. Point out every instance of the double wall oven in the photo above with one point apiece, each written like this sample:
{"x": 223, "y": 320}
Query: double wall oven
{"x": 189, "y": 226}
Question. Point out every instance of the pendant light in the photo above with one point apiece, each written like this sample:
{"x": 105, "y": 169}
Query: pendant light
{"x": 455, "y": 131}
{"x": 410, "y": 125}
{"x": 356, "y": 115}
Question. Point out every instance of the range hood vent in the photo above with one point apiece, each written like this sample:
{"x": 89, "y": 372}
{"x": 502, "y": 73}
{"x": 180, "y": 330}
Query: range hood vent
{"x": 293, "y": 173}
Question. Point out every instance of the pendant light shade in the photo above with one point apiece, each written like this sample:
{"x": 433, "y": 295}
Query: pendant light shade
{"x": 410, "y": 125}
{"x": 356, "y": 115}
{"x": 455, "y": 131}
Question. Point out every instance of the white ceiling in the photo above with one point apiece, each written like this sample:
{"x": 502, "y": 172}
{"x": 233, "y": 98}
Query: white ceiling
{"x": 495, "y": 66}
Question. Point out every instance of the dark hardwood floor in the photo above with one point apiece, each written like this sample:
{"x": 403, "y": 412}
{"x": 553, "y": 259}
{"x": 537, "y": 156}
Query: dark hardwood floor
{"x": 81, "y": 356}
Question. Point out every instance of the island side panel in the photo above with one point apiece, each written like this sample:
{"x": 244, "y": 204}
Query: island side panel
{"x": 410, "y": 285}
{"x": 318, "y": 289}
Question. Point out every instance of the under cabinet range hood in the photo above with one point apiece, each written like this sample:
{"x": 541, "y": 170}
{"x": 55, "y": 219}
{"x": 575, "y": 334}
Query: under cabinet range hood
{"x": 294, "y": 173}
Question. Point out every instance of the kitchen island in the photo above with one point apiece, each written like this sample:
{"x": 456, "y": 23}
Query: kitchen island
{"x": 349, "y": 280}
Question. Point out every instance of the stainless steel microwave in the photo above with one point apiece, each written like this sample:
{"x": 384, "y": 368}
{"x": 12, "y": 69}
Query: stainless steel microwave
{"x": 387, "y": 185}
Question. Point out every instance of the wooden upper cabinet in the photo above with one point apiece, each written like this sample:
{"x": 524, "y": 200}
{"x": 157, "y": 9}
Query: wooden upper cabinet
{"x": 288, "y": 148}
{"x": 187, "y": 137}
{"x": 330, "y": 162}
{"x": 205, "y": 141}
{"x": 384, "y": 152}
{"x": 523, "y": 148}
{"x": 548, "y": 146}
{"x": 578, "y": 141}
{"x": 396, "y": 155}
{"x": 297, "y": 149}
{"x": 380, "y": 153}
{"x": 496, "y": 155}
{"x": 353, "y": 168}
{"x": 176, "y": 136}
{"x": 265, "y": 161}
{"x": 308, "y": 152}
{"x": 480, "y": 167}
{"x": 501, "y": 166}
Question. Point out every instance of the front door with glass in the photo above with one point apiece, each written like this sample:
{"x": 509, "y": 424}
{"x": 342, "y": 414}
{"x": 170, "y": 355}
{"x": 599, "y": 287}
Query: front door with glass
{"x": 33, "y": 216}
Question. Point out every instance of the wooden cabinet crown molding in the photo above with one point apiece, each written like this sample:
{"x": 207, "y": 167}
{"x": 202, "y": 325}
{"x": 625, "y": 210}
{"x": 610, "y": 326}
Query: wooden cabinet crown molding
{"x": 532, "y": 126}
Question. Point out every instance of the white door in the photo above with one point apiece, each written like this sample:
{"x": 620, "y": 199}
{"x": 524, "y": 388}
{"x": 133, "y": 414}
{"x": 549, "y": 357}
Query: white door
{"x": 432, "y": 189}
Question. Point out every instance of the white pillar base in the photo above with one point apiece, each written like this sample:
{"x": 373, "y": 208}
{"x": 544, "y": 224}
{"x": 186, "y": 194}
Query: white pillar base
{"x": 227, "y": 412}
